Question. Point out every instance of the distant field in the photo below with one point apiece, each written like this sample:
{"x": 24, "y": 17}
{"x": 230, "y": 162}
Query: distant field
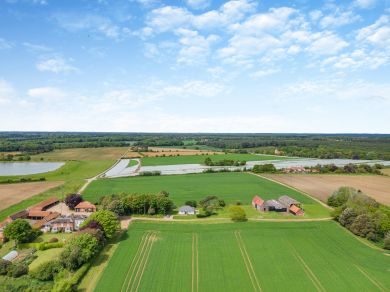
{"x": 199, "y": 159}
{"x": 103, "y": 153}
{"x": 159, "y": 151}
{"x": 386, "y": 171}
{"x": 11, "y": 194}
{"x": 228, "y": 186}
{"x": 256, "y": 256}
{"x": 322, "y": 186}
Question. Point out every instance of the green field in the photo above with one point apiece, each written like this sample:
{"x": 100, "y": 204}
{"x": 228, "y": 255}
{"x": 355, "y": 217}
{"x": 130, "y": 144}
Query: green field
{"x": 228, "y": 186}
{"x": 73, "y": 173}
{"x": 256, "y": 256}
{"x": 199, "y": 159}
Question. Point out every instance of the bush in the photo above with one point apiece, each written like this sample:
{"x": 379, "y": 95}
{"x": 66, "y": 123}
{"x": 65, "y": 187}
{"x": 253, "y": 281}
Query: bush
{"x": 341, "y": 196}
{"x": 4, "y": 265}
{"x": 347, "y": 217}
{"x": 54, "y": 239}
{"x": 107, "y": 219}
{"x": 46, "y": 271}
{"x": 387, "y": 241}
{"x": 237, "y": 213}
{"x": 191, "y": 203}
{"x": 73, "y": 200}
{"x": 17, "y": 270}
{"x": 264, "y": 168}
{"x": 20, "y": 231}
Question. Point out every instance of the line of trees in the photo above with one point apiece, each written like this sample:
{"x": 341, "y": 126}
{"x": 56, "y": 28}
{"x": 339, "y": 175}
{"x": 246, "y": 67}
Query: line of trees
{"x": 226, "y": 162}
{"x": 128, "y": 204}
{"x": 349, "y": 168}
{"x": 362, "y": 215}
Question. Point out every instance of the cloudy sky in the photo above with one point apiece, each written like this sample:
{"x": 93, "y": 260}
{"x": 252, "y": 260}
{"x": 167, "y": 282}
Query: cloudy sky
{"x": 195, "y": 65}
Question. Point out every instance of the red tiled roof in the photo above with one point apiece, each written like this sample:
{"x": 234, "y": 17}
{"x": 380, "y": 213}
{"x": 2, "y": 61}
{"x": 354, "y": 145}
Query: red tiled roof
{"x": 85, "y": 205}
{"x": 46, "y": 219}
{"x": 37, "y": 213}
{"x": 295, "y": 210}
{"x": 44, "y": 204}
{"x": 257, "y": 200}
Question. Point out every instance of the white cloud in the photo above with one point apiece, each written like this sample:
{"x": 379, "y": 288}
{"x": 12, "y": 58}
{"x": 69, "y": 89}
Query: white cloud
{"x": 339, "y": 18}
{"x": 327, "y": 44}
{"x": 47, "y": 93}
{"x": 377, "y": 34}
{"x": 36, "y": 47}
{"x": 198, "y": 4}
{"x": 4, "y": 44}
{"x": 7, "y": 92}
{"x": 365, "y": 4}
{"x": 96, "y": 24}
{"x": 168, "y": 18}
{"x": 56, "y": 65}
{"x": 263, "y": 73}
{"x": 195, "y": 48}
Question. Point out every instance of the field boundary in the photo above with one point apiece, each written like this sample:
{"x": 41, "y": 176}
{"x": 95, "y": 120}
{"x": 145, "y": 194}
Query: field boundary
{"x": 247, "y": 262}
{"x": 195, "y": 263}
{"x": 295, "y": 189}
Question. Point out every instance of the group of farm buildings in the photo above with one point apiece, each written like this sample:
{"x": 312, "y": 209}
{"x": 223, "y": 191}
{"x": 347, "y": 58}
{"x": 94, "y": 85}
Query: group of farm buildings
{"x": 283, "y": 204}
{"x": 52, "y": 215}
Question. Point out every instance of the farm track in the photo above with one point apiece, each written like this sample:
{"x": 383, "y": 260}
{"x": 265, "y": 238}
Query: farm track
{"x": 247, "y": 262}
{"x": 139, "y": 263}
{"x": 307, "y": 269}
{"x": 195, "y": 263}
{"x": 371, "y": 279}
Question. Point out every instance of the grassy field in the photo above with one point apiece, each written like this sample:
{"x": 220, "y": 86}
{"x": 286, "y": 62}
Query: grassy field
{"x": 44, "y": 256}
{"x": 322, "y": 186}
{"x": 103, "y": 153}
{"x": 256, "y": 256}
{"x": 228, "y": 186}
{"x": 73, "y": 173}
{"x": 199, "y": 159}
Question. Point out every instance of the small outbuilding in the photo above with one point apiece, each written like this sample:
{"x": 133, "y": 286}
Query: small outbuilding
{"x": 187, "y": 210}
{"x": 259, "y": 204}
{"x": 85, "y": 206}
{"x": 13, "y": 254}
{"x": 288, "y": 201}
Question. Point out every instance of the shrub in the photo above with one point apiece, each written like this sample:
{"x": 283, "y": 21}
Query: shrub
{"x": 54, "y": 239}
{"x": 237, "y": 213}
{"x": 347, "y": 217}
{"x": 341, "y": 196}
{"x": 17, "y": 270}
{"x": 4, "y": 265}
{"x": 107, "y": 219}
{"x": 387, "y": 241}
{"x": 73, "y": 200}
{"x": 46, "y": 271}
{"x": 191, "y": 203}
{"x": 264, "y": 168}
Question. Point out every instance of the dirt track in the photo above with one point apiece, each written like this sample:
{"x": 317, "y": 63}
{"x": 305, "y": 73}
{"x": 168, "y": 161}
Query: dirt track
{"x": 11, "y": 194}
{"x": 322, "y": 186}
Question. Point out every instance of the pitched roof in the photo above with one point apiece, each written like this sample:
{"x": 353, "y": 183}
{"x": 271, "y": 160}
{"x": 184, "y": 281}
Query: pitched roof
{"x": 37, "y": 213}
{"x": 295, "y": 209}
{"x": 275, "y": 204}
{"x": 186, "y": 208}
{"x": 257, "y": 200}
{"x": 11, "y": 255}
{"x": 19, "y": 214}
{"x": 287, "y": 201}
{"x": 46, "y": 219}
{"x": 44, "y": 204}
{"x": 85, "y": 205}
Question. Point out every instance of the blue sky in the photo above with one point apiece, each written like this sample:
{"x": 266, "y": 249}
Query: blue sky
{"x": 195, "y": 66}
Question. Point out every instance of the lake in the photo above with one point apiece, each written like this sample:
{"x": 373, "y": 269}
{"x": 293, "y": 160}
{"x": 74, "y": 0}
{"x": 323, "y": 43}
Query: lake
{"x": 24, "y": 168}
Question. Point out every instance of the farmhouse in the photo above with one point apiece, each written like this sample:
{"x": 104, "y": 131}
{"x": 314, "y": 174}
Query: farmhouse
{"x": 64, "y": 224}
{"x": 187, "y": 210}
{"x": 85, "y": 206}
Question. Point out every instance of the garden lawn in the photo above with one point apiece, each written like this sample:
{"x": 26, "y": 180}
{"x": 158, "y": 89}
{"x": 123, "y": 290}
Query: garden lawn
{"x": 259, "y": 256}
{"x": 199, "y": 159}
{"x": 45, "y": 256}
{"x": 231, "y": 187}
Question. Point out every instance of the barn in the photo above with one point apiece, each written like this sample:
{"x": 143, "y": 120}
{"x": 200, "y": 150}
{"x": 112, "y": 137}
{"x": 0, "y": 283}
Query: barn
{"x": 258, "y": 204}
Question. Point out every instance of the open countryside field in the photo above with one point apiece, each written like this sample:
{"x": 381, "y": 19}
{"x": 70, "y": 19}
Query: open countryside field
{"x": 158, "y": 151}
{"x": 73, "y": 173}
{"x": 255, "y": 256}
{"x": 199, "y": 159}
{"x": 322, "y": 186}
{"x": 230, "y": 187}
{"x": 386, "y": 171}
{"x": 11, "y": 194}
{"x": 103, "y": 153}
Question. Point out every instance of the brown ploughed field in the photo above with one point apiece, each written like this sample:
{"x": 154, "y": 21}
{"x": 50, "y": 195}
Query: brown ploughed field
{"x": 322, "y": 186}
{"x": 159, "y": 151}
{"x": 11, "y": 194}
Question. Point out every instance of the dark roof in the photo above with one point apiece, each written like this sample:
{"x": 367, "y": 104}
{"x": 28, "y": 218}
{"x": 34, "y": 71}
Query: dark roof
{"x": 287, "y": 201}
{"x": 275, "y": 204}
{"x": 19, "y": 214}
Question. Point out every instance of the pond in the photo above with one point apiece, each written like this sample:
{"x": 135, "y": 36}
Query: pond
{"x": 25, "y": 168}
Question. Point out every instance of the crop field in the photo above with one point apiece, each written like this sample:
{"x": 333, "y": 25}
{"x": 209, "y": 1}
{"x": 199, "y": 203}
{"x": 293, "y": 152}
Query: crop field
{"x": 322, "y": 186}
{"x": 199, "y": 159}
{"x": 103, "y": 153}
{"x": 227, "y": 186}
{"x": 255, "y": 256}
{"x": 159, "y": 151}
{"x": 11, "y": 194}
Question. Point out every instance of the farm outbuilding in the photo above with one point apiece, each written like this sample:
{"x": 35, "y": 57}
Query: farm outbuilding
{"x": 13, "y": 254}
{"x": 258, "y": 203}
{"x": 187, "y": 210}
{"x": 274, "y": 205}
